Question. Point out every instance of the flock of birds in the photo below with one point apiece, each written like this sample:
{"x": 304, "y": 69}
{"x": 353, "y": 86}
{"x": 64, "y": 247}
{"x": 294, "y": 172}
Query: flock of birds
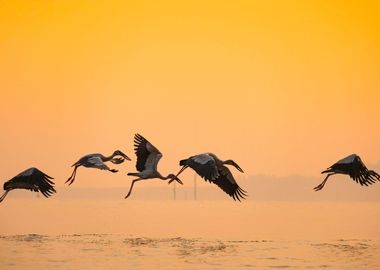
{"x": 207, "y": 165}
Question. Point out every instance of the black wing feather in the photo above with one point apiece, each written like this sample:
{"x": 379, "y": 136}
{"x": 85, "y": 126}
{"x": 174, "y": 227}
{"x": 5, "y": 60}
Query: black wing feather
{"x": 356, "y": 170}
{"x": 141, "y": 152}
{"x": 359, "y": 172}
{"x": 220, "y": 176}
{"x": 41, "y": 180}
{"x": 222, "y": 180}
{"x": 207, "y": 171}
{"x": 227, "y": 183}
{"x": 35, "y": 181}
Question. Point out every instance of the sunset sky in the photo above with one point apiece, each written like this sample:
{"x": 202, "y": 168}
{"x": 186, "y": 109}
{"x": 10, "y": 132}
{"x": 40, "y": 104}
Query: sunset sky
{"x": 281, "y": 87}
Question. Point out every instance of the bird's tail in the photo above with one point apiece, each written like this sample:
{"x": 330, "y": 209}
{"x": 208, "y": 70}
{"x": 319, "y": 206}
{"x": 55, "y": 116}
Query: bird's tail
{"x": 133, "y": 173}
{"x": 183, "y": 162}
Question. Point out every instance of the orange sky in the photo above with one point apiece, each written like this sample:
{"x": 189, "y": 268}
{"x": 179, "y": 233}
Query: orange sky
{"x": 281, "y": 87}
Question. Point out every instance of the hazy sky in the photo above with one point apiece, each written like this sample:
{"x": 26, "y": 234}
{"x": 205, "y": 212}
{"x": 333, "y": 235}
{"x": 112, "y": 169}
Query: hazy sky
{"x": 281, "y": 87}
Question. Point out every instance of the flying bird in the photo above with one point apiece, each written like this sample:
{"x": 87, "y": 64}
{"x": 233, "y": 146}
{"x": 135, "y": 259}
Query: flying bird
{"x": 97, "y": 161}
{"x": 148, "y": 157}
{"x": 32, "y": 179}
{"x": 212, "y": 169}
{"x": 353, "y": 166}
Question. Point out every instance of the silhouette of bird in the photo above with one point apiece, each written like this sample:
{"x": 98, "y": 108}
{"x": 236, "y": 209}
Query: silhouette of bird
{"x": 97, "y": 161}
{"x": 32, "y": 179}
{"x": 148, "y": 157}
{"x": 353, "y": 166}
{"x": 212, "y": 169}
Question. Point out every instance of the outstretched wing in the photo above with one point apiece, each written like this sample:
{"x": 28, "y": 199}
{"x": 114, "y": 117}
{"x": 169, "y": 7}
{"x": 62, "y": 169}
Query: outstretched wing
{"x": 204, "y": 165}
{"x": 359, "y": 172}
{"x": 227, "y": 183}
{"x": 38, "y": 181}
{"x": 148, "y": 156}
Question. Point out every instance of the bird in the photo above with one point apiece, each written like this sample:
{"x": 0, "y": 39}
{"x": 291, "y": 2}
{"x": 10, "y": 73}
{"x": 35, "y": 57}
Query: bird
{"x": 353, "y": 166}
{"x": 32, "y": 179}
{"x": 148, "y": 157}
{"x": 212, "y": 169}
{"x": 97, "y": 161}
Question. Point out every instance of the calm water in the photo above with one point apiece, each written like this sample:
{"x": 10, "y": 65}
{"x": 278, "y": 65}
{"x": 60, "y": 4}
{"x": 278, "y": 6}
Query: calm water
{"x": 119, "y": 234}
{"x": 99, "y": 251}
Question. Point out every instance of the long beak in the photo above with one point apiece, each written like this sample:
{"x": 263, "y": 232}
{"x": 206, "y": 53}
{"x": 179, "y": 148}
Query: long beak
{"x": 126, "y": 157}
{"x": 177, "y": 179}
{"x": 239, "y": 169}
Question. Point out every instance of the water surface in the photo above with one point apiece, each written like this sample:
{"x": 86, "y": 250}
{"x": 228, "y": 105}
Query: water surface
{"x": 102, "y": 251}
{"x": 83, "y": 234}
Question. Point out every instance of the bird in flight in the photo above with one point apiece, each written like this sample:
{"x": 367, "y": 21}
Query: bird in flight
{"x": 32, "y": 179}
{"x": 148, "y": 157}
{"x": 353, "y": 166}
{"x": 212, "y": 169}
{"x": 97, "y": 161}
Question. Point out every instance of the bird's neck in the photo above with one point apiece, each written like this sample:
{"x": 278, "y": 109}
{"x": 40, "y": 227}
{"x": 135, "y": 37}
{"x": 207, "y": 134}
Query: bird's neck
{"x": 163, "y": 177}
{"x": 108, "y": 158}
{"x": 224, "y": 162}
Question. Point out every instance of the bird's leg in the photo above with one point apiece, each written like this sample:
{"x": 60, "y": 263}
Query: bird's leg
{"x": 75, "y": 175}
{"x": 3, "y": 196}
{"x": 72, "y": 177}
{"x": 130, "y": 189}
{"x": 321, "y": 185}
{"x": 180, "y": 171}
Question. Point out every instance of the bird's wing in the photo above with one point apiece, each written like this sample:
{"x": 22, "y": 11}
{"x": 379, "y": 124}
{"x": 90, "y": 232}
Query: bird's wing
{"x": 97, "y": 162}
{"x": 38, "y": 179}
{"x": 227, "y": 183}
{"x": 147, "y": 154}
{"x": 359, "y": 172}
{"x": 348, "y": 159}
{"x": 204, "y": 165}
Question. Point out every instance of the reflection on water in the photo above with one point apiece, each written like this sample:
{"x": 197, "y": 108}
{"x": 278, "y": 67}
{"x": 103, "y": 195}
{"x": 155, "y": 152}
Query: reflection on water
{"x": 101, "y": 251}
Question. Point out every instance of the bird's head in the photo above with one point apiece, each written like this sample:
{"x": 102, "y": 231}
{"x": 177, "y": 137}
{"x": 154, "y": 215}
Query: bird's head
{"x": 173, "y": 177}
{"x": 119, "y": 153}
{"x": 233, "y": 163}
